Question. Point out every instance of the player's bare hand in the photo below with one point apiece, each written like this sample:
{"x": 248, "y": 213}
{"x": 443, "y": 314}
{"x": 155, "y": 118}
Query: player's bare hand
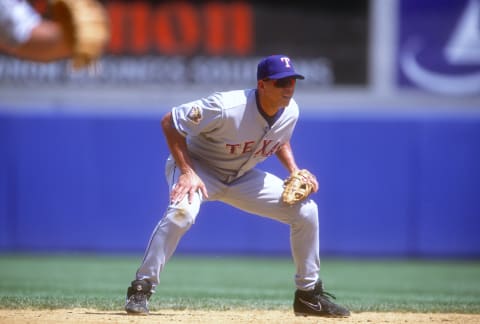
{"x": 187, "y": 184}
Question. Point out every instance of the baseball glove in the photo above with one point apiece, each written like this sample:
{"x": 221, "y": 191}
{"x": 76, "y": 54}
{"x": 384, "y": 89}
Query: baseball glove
{"x": 297, "y": 186}
{"x": 86, "y": 26}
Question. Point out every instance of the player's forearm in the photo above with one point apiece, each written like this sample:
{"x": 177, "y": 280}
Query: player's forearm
{"x": 46, "y": 43}
{"x": 285, "y": 155}
{"x": 177, "y": 145}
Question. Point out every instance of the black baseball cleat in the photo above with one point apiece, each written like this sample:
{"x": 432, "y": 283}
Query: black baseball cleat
{"x": 317, "y": 302}
{"x": 137, "y": 297}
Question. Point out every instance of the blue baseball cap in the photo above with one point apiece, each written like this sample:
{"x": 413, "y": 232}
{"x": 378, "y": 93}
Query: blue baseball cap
{"x": 276, "y": 67}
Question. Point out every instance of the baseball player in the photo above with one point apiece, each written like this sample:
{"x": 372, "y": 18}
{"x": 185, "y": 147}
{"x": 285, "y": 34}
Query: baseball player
{"x": 215, "y": 144}
{"x": 78, "y": 30}
{"x": 24, "y": 34}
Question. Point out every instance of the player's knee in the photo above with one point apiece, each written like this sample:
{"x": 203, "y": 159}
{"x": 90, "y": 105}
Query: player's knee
{"x": 181, "y": 217}
{"x": 309, "y": 213}
{"x": 183, "y": 214}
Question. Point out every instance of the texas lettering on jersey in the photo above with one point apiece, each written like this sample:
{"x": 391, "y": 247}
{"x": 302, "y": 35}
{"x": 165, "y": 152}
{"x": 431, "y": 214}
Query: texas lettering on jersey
{"x": 266, "y": 149}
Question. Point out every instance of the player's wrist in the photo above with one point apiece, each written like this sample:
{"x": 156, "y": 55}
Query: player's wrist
{"x": 293, "y": 169}
{"x": 187, "y": 171}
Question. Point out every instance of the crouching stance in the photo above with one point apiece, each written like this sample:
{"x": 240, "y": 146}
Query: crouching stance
{"x": 215, "y": 144}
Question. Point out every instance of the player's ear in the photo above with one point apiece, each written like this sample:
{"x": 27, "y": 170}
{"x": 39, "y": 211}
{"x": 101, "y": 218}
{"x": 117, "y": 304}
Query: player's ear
{"x": 260, "y": 84}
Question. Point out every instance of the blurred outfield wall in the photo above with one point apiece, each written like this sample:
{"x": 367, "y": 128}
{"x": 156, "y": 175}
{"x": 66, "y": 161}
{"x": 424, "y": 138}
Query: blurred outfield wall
{"x": 389, "y": 186}
{"x": 390, "y": 124}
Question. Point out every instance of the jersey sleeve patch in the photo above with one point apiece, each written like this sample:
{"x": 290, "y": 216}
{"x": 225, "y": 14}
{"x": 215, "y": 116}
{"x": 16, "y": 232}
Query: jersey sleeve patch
{"x": 195, "y": 114}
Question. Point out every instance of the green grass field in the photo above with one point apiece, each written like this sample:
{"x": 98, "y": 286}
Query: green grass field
{"x": 222, "y": 283}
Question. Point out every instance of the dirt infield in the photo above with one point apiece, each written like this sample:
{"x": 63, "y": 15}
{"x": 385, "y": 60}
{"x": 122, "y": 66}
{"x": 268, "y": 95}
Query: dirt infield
{"x": 86, "y": 316}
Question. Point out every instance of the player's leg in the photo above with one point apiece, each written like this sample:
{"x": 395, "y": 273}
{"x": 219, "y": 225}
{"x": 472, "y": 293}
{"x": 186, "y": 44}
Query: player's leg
{"x": 259, "y": 192}
{"x": 177, "y": 219}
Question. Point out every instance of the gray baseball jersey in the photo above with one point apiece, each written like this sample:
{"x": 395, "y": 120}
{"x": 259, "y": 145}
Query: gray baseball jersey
{"x": 17, "y": 19}
{"x": 227, "y": 136}
{"x": 227, "y": 132}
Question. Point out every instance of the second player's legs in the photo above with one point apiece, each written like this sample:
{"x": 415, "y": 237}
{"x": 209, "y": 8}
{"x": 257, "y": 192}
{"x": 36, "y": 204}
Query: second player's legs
{"x": 259, "y": 192}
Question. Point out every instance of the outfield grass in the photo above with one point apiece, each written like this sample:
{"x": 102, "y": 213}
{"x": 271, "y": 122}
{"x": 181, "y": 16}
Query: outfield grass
{"x": 222, "y": 283}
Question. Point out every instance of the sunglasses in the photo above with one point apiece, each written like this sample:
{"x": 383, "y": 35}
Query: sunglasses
{"x": 283, "y": 83}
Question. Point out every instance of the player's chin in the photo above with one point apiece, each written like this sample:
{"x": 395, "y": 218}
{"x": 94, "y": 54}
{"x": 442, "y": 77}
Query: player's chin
{"x": 286, "y": 100}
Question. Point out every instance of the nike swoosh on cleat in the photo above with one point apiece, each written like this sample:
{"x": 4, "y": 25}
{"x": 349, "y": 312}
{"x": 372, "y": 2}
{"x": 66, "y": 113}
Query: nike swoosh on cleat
{"x": 316, "y": 307}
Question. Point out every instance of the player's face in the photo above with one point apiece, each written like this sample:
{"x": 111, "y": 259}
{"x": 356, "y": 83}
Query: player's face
{"x": 280, "y": 91}
{"x": 284, "y": 83}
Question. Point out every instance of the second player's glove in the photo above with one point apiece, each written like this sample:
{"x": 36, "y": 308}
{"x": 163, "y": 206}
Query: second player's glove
{"x": 86, "y": 26}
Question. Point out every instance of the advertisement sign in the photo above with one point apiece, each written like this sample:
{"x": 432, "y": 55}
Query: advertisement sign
{"x": 439, "y": 46}
{"x": 193, "y": 42}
